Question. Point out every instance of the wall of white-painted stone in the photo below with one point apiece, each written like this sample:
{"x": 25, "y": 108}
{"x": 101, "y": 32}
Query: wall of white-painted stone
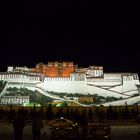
{"x": 65, "y": 86}
{"x": 103, "y": 92}
{"x": 128, "y": 84}
{"x": 129, "y": 101}
{"x": 19, "y": 78}
{"x": 117, "y": 88}
{"x": 125, "y": 85}
{"x": 104, "y": 83}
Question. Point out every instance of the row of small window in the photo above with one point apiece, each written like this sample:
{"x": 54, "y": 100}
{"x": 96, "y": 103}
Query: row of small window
{"x": 17, "y": 76}
{"x": 12, "y": 102}
{"x": 58, "y": 79}
{"x": 129, "y": 78}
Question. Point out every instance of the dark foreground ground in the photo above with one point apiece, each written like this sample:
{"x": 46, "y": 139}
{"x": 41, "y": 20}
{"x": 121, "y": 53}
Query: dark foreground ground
{"x": 136, "y": 137}
{"x": 120, "y": 132}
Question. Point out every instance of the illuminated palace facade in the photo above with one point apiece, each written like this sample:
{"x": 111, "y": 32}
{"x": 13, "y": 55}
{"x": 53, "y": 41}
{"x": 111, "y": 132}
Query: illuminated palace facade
{"x": 65, "y": 77}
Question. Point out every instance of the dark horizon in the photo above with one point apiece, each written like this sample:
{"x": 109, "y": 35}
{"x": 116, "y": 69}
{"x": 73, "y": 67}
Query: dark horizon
{"x": 116, "y": 54}
{"x": 87, "y": 34}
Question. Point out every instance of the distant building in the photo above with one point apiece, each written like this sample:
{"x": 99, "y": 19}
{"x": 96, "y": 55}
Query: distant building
{"x": 19, "y": 100}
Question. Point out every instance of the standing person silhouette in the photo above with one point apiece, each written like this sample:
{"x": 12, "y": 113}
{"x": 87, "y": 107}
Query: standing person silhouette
{"x": 18, "y": 124}
{"x": 36, "y": 126}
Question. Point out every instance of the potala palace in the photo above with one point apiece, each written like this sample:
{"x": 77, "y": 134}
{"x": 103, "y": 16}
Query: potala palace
{"x": 65, "y": 77}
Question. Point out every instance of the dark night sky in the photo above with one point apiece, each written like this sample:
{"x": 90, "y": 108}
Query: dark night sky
{"x": 83, "y": 32}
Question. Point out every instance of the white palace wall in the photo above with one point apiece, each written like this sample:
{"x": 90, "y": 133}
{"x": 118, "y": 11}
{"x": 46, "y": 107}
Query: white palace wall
{"x": 129, "y": 83}
{"x": 108, "y": 86}
{"x": 65, "y": 85}
{"x": 19, "y": 78}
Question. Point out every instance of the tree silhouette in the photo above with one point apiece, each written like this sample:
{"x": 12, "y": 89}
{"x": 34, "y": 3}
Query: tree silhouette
{"x": 71, "y": 114}
{"x": 97, "y": 113}
{"x": 115, "y": 113}
{"x": 109, "y": 113}
{"x": 101, "y": 114}
{"x": 76, "y": 115}
{"x": 90, "y": 114}
{"x": 49, "y": 113}
{"x": 83, "y": 117}
{"x": 67, "y": 113}
{"x": 59, "y": 113}
{"x": 126, "y": 112}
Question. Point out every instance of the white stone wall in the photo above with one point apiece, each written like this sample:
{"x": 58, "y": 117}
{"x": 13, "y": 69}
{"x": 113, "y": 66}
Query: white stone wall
{"x": 10, "y": 69}
{"x": 19, "y": 78}
{"x": 77, "y": 83}
{"x": 105, "y": 83}
{"x": 64, "y": 86}
{"x": 129, "y": 101}
{"x": 117, "y": 88}
{"x": 128, "y": 83}
{"x": 103, "y": 92}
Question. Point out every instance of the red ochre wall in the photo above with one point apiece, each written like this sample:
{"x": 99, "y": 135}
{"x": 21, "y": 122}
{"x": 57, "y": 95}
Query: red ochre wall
{"x": 67, "y": 71}
{"x": 55, "y": 69}
{"x": 51, "y": 71}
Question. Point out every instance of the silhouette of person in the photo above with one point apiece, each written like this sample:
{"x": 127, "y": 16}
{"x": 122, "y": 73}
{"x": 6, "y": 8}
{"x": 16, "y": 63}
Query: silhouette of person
{"x": 36, "y": 127}
{"x": 18, "y": 124}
